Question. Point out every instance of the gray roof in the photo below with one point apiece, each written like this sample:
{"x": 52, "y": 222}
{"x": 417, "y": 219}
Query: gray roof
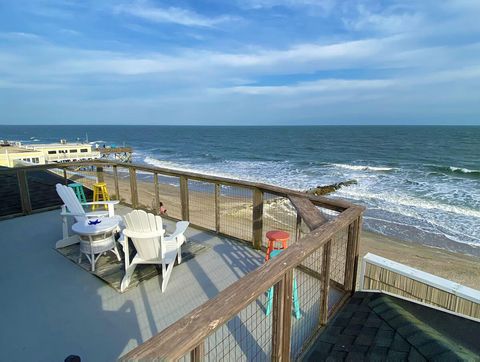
{"x": 41, "y": 185}
{"x": 375, "y": 326}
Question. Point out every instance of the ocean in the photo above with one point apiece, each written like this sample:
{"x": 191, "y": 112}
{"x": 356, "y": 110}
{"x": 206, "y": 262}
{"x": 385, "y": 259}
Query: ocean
{"x": 419, "y": 183}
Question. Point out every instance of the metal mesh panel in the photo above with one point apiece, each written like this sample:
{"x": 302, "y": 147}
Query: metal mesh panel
{"x": 110, "y": 181}
{"x": 236, "y": 208}
{"x": 279, "y": 214}
{"x": 146, "y": 190}
{"x": 124, "y": 185}
{"x": 339, "y": 256}
{"x": 185, "y": 358}
{"x": 201, "y": 202}
{"x": 246, "y": 337}
{"x": 169, "y": 194}
{"x": 86, "y": 175}
{"x": 309, "y": 290}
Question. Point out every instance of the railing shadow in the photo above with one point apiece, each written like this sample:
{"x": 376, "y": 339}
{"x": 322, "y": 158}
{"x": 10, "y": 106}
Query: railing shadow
{"x": 244, "y": 338}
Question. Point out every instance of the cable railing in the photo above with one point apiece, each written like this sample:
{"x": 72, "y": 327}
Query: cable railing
{"x": 272, "y": 313}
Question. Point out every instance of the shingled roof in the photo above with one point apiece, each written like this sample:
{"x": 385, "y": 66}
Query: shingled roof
{"x": 41, "y": 185}
{"x": 375, "y": 326}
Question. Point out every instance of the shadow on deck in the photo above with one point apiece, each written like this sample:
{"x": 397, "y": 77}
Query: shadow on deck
{"x": 52, "y": 308}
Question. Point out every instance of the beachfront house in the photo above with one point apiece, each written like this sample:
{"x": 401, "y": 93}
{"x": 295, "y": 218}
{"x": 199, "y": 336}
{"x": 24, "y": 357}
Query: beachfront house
{"x": 315, "y": 300}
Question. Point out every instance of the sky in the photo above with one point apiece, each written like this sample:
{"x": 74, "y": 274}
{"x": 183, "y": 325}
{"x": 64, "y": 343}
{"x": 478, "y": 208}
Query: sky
{"x": 240, "y": 62}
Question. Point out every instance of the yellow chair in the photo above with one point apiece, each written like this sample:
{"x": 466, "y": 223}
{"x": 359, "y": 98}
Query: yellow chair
{"x": 100, "y": 193}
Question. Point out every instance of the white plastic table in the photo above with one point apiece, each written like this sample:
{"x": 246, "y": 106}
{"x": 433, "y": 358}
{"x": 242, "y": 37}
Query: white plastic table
{"x": 96, "y": 239}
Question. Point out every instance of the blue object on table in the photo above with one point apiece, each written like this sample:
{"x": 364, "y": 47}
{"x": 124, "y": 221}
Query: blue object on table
{"x": 94, "y": 222}
{"x": 296, "y": 304}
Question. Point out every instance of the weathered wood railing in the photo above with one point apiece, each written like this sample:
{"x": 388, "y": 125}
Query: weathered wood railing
{"x": 322, "y": 258}
{"x": 239, "y": 209}
{"x": 214, "y": 330}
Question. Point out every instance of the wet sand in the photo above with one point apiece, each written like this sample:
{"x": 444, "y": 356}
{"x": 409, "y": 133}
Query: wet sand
{"x": 460, "y": 268}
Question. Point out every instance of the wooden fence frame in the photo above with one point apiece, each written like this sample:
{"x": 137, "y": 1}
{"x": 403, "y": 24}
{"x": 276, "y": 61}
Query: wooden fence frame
{"x": 187, "y": 335}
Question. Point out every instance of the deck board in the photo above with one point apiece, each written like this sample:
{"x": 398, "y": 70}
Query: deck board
{"x": 111, "y": 271}
{"x": 51, "y": 308}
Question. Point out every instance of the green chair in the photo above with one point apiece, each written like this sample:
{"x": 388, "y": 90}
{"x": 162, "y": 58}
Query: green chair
{"x": 78, "y": 189}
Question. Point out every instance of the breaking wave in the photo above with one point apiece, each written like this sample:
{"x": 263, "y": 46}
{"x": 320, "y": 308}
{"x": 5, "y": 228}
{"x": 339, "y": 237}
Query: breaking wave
{"x": 362, "y": 167}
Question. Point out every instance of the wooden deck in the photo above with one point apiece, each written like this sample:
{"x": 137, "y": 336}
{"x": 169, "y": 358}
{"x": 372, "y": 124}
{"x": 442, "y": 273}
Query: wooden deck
{"x": 52, "y": 308}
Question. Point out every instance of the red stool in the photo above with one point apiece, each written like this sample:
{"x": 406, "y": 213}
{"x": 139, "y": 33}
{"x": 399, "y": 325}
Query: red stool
{"x": 276, "y": 236}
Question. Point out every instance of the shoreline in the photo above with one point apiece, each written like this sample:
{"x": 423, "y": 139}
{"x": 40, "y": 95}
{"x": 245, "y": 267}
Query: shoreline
{"x": 455, "y": 266}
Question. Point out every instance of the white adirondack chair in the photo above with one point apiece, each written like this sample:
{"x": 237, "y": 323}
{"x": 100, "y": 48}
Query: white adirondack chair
{"x": 147, "y": 234}
{"x": 73, "y": 208}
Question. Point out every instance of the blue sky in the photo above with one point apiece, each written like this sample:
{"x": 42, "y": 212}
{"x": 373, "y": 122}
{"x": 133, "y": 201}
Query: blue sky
{"x": 241, "y": 62}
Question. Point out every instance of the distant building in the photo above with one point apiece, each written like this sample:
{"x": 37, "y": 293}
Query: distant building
{"x": 12, "y": 155}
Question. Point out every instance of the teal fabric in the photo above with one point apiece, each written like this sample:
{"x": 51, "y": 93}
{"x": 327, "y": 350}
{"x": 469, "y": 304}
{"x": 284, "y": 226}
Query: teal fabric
{"x": 296, "y": 304}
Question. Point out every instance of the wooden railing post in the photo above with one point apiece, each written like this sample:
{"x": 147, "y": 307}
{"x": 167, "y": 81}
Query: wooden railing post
{"x": 157, "y": 192}
{"x": 351, "y": 256}
{"x": 24, "y": 193}
{"x": 257, "y": 218}
{"x": 356, "y": 258}
{"x": 287, "y": 314}
{"x": 217, "y": 207}
{"x": 197, "y": 354}
{"x": 115, "y": 179}
{"x": 133, "y": 186}
{"x": 298, "y": 227}
{"x": 282, "y": 317}
{"x": 65, "y": 177}
{"x": 184, "y": 197}
{"x": 277, "y": 320}
{"x": 326, "y": 260}
{"x": 100, "y": 177}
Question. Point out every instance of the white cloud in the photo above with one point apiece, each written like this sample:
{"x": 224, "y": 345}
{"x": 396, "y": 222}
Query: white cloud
{"x": 324, "y": 5}
{"x": 319, "y": 86}
{"x": 175, "y": 15}
{"x": 391, "y": 20}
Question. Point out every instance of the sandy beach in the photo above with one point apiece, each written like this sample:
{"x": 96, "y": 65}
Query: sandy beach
{"x": 236, "y": 212}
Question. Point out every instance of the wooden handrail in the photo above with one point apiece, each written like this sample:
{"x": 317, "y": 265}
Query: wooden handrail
{"x": 189, "y": 333}
{"x": 331, "y": 204}
{"x": 309, "y": 213}
{"x": 184, "y": 335}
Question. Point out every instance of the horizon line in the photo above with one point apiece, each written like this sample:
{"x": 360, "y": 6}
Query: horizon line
{"x": 243, "y": 125}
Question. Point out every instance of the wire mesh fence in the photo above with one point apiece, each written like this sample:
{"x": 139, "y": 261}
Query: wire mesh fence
{"x": 108, "y": 178}
{"x": 169, "y": 195}
{"x": 279, "y": 214}
{"x": 85, "y": 175}
{"x": 236, "y": 209}
{"x": 146, "y": 190}
{"x": 201, "y": 196}
{"x": 246, "y": 337}
{"x": 124, "y": 191}
{"x": 309, "y": 290}
{"x": 339, "y": 256}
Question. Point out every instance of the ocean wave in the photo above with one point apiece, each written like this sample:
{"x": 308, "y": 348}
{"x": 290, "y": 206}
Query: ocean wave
{"x": 463, "y": 170}
{"x": 362, "y": 167}
{"x": 180, "y": 167}
{"x": 404, "y": 200}
{"x": 453, "y": 170}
